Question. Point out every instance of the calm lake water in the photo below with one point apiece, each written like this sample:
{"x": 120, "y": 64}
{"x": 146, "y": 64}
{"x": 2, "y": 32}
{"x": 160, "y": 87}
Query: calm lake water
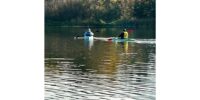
{"x": 98, "y": 70}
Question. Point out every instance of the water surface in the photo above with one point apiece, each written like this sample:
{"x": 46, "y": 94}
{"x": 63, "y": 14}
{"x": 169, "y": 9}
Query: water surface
{"x": 98, "y": 70}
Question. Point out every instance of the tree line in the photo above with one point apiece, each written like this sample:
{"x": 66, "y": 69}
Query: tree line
{"x": 97, "y": 12}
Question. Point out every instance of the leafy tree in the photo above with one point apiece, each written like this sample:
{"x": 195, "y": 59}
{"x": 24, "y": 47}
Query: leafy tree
{"x": 144, "y": 9}
{"x": 97, "y": 12}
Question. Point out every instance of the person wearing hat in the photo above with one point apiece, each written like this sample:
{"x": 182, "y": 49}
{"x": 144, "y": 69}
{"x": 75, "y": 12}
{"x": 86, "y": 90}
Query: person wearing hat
{"x": 124, "y": 34}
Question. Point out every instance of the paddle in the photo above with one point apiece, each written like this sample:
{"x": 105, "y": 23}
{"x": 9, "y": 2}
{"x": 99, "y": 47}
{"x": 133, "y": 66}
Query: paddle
{"x": 77, "y": 35}
{"x": 110, "y": 39}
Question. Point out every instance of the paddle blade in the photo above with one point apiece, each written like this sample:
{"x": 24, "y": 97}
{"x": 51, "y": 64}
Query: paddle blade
{"x": 110, "y": 39}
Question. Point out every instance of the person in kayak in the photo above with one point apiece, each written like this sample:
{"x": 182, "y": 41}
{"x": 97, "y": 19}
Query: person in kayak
{"x": 89, "y": 33}
{"x": 124, "y": 34}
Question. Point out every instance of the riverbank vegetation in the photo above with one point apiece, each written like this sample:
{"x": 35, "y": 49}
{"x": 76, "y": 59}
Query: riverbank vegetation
{"x": 98, "y": 12}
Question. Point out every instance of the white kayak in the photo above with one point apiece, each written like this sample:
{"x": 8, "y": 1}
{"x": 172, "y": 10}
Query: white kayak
{"x": 89, "y": 38}
{"x": 113, "y": 39}
{"x": 116, "y": 39}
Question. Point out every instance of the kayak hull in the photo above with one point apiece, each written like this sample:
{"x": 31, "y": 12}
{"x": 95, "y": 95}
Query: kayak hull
{"x": 111, "y": 39}
{"x": 115, "y": 39}
{"x": 89, "y": 38}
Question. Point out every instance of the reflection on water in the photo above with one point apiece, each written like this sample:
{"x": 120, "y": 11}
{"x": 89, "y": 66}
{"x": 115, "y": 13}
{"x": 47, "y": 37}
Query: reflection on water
{"x": 89, "y": 43}
{"x": 123, "y": 45}
{"x": 99, "y": 70}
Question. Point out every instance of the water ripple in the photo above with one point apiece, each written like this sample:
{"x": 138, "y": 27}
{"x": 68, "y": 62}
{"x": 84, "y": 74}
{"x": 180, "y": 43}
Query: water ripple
{"x": 127, "y": 78}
